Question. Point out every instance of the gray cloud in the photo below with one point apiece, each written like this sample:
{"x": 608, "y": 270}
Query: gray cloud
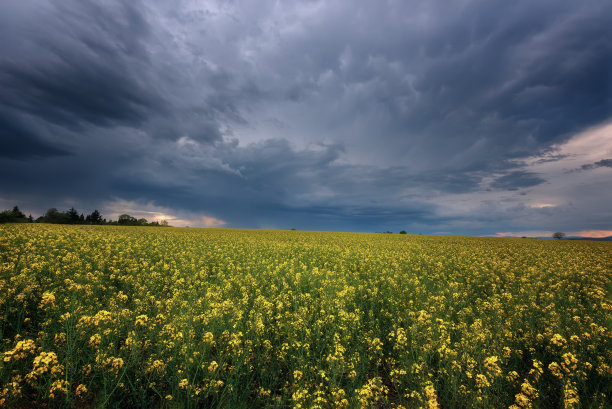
{"x": 606, "y": 163}
{"x": 466, "y": 95}
{"x": 602, "y": 163}
{"x": 20, "y": 140}
{"x": 516, "y": 180}
{"x": 303, "y": 114}
{"x": 77, "y": 64}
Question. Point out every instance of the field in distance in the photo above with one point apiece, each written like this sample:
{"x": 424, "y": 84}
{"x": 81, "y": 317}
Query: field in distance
{"x": 101, "y": 316}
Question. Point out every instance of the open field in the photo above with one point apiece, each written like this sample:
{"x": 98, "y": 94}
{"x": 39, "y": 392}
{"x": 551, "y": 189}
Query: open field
{"x": 151, "y": 317}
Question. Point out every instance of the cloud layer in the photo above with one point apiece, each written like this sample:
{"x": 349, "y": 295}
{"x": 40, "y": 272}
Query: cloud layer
{"x": 470, "y": 118}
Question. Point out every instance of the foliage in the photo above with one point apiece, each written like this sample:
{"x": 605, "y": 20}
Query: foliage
{"x": 13, "y": 216}
{"x": 71, "y": 216}
{"x": 102, "y": 316}
{"x": 126, "y": 219}
{"x": 94, "y": 218}
{"x": 558, "y": 235}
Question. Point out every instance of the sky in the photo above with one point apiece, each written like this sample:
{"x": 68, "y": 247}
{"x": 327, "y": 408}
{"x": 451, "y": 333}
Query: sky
{"x": 468, "y": 117}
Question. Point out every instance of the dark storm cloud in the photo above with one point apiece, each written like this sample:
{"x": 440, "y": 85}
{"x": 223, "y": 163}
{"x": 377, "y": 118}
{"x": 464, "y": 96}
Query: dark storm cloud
{"x": 602, "y": 163}
{"x": 605, "y": 163}
{"x": 20, "y": 141}
{"x": 470, "y": 85}
{"x": 78, "y": 65}
{"x": 516, "y": 180}
{"x": 74, "y": 93}
{"x": 522, "y": 67}
{"x": 346, "y": 115}
{"x": 306, "y": 187}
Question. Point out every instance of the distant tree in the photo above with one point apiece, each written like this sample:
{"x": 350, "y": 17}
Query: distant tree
{"x": 73, "y": 216}
{"x": 6, "y": 216}
{"x": 13, "y": 216}
{"x": 403, "y": 232}
{"x": 17, "y": 213}
{"x": 55, "y": 216}
{"x": 94, "y": 218}
{"x": 126, "y": 220}
{"x": 558, "y": 235}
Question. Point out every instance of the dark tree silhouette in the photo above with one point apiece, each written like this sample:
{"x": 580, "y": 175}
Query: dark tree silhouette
{"x": 55, "y": 216}
{"x": 73, "y": 216}
{"x": 94, "y": 218}
{"x": 127, "y": 220}
{"x": 13, "y": 216}
{"x": 17, "y": 213}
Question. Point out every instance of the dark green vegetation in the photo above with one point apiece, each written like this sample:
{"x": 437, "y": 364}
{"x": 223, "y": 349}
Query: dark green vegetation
{"x": 72, "y": 216}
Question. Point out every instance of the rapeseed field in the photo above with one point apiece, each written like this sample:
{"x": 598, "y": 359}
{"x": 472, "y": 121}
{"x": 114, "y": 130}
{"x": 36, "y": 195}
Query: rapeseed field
{"x": 101, "y": 316}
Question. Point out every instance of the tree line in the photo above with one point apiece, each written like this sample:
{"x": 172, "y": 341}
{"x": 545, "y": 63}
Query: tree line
{"x": 72, "y": 216}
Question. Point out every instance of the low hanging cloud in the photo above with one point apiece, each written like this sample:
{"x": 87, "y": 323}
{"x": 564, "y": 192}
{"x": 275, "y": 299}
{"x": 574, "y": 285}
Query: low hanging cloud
{"x": 602, "y": 163}
{"x": 597, "y": 234}
{"x": 542, "y": 205}
{"x": 22, "y": 140}
{"x": 212, "y": 222}
{"x": 594, "y": 233}
{"x": 516, "y": 180}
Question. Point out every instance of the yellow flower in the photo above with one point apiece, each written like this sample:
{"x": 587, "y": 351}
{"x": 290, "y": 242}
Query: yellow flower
{"x": 59, "y": 386}
{"x": 117, "y": 363}
{"x": 528, "y": 389}
{"x": 141, "y": 320}
{"x": 213, "y": 366}
{"x": 95, "y": 340}
{"x": 570, "y": 363}
{"x": 48, "y": 299}
{"x": 482, "y": 381}
{"x": 558, "y": 340}
{"x": 208, "y": 338}
{"x": 570, "y": 396}
{"x": 491, "y": 365}
{"x": 430, "y": 394}
{"x": 555, "y": 369}
{"x": 80, "y": 390}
